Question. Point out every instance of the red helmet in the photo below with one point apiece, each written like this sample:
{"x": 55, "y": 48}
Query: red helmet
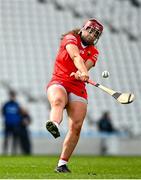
{"x": 96, "y": 26}
{"x": 93, "y": 23}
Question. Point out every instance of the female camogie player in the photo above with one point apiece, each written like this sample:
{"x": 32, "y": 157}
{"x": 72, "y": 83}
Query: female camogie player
{"x": 76, "y": 56}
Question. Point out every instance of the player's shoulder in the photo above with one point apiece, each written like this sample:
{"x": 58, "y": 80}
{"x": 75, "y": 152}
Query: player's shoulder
{"x": 70, "y": 37}
{"x": 94, "y": 49}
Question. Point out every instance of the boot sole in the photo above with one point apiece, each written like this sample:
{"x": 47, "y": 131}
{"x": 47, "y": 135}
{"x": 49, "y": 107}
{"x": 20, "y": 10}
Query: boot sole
{"x": 52, "y": 128}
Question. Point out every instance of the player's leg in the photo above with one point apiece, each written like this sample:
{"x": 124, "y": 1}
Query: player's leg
{"x": 15, "y": 139}
{"x": 6, "y": 140}
{"x": 76, "y": 111}
{"x": 57, "y": 97}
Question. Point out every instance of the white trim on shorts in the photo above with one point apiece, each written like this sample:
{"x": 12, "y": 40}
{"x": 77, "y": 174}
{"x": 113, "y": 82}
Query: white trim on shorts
{"x": 71, "y": 96}
{"x": 74, "y": 97}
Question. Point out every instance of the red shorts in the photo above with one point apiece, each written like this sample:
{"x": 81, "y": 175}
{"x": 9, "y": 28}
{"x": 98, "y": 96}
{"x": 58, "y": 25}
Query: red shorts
{"x": 75, "y": 87}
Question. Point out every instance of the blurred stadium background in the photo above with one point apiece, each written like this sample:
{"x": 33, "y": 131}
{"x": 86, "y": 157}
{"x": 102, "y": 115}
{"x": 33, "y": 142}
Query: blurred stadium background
{"x": 30, "y": 32}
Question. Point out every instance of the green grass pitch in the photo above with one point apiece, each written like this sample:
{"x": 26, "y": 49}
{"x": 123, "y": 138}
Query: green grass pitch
{"x": 82, "y": 167}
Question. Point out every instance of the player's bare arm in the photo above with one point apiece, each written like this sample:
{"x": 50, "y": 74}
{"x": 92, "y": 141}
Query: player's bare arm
{"x": 89, "y": 64}
{"x": 73, "y": 51}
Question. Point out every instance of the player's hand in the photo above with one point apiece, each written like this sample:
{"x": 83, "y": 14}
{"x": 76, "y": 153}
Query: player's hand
{"x": 76, "y": 75}
{"x": 80, "y": 76}
{"x": 84, "y": 76}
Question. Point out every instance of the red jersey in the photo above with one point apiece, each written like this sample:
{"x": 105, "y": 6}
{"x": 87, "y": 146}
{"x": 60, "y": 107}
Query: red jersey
{"x": 64, "y": 65}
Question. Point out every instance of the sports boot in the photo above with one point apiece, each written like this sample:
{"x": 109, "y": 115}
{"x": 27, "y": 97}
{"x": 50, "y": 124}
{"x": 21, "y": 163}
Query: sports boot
{"x": 53, "y": 129}
{"x": 62, "y": 169}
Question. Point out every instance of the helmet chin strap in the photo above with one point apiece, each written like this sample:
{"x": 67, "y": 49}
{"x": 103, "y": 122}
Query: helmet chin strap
{"x": 95, "y": 42}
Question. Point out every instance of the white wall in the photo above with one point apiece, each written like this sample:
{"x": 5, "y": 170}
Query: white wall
{"x": 86, "y": 146}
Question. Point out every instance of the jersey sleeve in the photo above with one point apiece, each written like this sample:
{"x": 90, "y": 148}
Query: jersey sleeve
{"x": 94, "y": 56}
{"x": 70, "y": 39}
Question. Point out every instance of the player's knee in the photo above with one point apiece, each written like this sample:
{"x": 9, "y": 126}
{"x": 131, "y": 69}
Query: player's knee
{"x": 58, "y": 102}
{"x": 76, "y": 128}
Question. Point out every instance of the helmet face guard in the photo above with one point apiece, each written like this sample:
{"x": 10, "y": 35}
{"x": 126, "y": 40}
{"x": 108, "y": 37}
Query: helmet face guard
{"x": 93, "y": 26}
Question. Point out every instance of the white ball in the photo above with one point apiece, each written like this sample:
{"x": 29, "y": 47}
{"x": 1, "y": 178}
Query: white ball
{"x": 105, "y": 74}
